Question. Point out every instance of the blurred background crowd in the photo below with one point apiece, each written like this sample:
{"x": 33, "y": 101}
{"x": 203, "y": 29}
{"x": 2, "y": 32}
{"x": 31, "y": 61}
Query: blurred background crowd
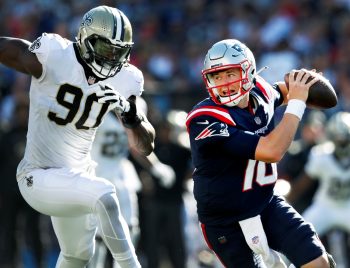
{"x": 171, "y": 39}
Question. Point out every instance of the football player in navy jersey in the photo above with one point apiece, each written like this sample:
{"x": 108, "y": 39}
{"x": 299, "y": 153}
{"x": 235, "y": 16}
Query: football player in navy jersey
{"x": 235, "y": 147}
{"x": 73, "y": 86}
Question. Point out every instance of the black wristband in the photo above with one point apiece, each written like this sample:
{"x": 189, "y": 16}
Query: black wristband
{"x": 131, "y": 119}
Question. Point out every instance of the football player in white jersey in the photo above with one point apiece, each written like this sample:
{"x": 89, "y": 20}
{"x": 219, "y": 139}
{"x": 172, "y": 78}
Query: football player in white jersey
{"x": 74, "y": 85}
{"x": 329, "y": 163}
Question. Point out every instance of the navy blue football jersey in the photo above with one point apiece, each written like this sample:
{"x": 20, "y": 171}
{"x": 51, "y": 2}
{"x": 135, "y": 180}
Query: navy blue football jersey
{"x": 229, "y": 184}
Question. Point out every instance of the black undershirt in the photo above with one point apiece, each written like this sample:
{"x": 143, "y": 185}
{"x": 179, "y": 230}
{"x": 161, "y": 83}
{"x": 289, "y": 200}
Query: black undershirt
{"x": 89, "y": 74}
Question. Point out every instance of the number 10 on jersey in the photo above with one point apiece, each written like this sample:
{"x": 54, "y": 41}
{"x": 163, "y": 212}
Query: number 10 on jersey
{"x": 260, "y": 172}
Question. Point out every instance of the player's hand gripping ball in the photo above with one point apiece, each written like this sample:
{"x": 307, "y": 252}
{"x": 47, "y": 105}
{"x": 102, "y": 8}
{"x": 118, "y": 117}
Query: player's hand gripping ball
{"x": 321, "y": 94}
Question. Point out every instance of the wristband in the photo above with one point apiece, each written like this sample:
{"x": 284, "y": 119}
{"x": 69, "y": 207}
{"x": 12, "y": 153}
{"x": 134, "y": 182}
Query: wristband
{"x": 296, "y": 107}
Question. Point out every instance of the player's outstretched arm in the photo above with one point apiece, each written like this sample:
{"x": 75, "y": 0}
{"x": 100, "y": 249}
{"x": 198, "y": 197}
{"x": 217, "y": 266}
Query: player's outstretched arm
{"x": 14, "y": 53}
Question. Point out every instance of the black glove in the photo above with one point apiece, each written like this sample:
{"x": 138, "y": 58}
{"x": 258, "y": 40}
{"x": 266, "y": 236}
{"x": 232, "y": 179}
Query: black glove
{"x": 131, "y": 118}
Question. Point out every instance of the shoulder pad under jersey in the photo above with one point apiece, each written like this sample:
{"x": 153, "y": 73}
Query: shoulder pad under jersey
{"x": 128, "y": 81}
{"x": 46, "y": 43}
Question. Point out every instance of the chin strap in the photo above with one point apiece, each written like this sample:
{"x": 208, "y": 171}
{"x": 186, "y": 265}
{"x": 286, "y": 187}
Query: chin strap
{"x": 262, "y": 69}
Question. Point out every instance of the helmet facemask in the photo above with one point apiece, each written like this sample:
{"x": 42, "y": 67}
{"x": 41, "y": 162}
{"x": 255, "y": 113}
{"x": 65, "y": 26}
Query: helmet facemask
{"x": 105, "y": 58}
{"x": 213, "y": 89}
{"x": 225, "y": 55}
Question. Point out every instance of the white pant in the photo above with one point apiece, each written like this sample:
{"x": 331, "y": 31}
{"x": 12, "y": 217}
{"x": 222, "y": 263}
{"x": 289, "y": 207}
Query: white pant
{"x": 63, "y": 192}
{"x": 256, "y": 239}
{"x": 70, "y": 197}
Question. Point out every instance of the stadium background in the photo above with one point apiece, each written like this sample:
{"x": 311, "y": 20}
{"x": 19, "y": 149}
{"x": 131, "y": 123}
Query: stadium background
{"x": 172, "y": 37}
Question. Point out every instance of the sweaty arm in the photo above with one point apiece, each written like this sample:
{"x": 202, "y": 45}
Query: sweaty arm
{"x": 14, "y": 53}
{"x": 140, "y": 131}
{"x": 142, "y": 137}
{"x": 272, "y": 147}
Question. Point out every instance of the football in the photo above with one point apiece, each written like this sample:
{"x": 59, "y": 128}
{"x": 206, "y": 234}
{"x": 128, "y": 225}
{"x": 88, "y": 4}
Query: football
{"x": 321, "y": 94}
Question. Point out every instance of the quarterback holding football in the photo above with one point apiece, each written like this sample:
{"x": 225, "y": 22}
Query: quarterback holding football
{"x": 235, "y": 146}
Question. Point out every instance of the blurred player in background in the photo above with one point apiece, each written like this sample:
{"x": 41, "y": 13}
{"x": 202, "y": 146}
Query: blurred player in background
{"x": 329, "y": 163}
{"x": 74, "y": 85}
{"x": 110, "y": 151}
{"x": 235, "y": 146}
{"x": 163, "y": 205}
{"x": 293, "y": 162}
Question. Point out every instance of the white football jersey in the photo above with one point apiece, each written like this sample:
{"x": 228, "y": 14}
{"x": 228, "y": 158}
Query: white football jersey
{"x": 334, "y": 179}
{"x": 63, "y": 114}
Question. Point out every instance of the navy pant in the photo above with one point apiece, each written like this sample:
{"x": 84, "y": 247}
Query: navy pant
{"x": 286, "y": 232}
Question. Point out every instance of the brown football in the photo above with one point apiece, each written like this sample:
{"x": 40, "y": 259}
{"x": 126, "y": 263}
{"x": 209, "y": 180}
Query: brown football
{"x": 321, "y": 94}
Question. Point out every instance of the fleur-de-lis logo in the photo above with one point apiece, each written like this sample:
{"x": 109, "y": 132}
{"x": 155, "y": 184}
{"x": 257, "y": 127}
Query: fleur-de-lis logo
{"x": 87, "y": 20}
{"x": 29, "y": 180}
{"x": 35, "y": 45}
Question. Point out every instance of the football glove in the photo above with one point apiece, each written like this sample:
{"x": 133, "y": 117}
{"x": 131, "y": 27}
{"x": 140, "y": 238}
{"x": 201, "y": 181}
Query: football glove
{"x": 127, "y": 109}
{"x": 117, "y": 102}
{"x": 164, "y": 173}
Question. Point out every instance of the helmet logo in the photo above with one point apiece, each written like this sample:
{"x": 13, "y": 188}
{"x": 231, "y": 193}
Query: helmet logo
{"x": 239, "y": 49}
{"x": 87, "y": 20}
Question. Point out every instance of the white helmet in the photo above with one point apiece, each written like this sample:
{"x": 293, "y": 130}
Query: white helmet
{"x": 338, "y": 131}
{"x": 223, "y": 55}
{"x": 105, "y": 40}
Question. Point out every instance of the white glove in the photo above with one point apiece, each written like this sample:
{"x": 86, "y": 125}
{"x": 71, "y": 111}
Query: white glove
{"x": 164, "y": 173}
{"x": 107, "y": 94}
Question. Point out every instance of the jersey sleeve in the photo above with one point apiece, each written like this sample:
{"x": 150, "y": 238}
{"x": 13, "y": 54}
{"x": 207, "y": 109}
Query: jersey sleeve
{"x": 44, "y": 45}
{"x": 271, "y": 93}
{"x": 214, "y": 132}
